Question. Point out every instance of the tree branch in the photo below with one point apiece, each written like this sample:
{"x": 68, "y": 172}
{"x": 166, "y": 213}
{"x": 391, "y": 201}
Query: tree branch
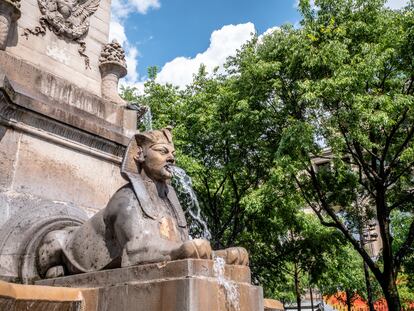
{"x": 405, "y": 170}
{"x": 406, "y": 248}
{"x": 371, "y": 264}
{"x": 408, "y": 197}
{"x": 400, "y": 150}
{"x": 358, "y": 157}
{"x": 316, "y": 210}
{"x": 389, "y": 138}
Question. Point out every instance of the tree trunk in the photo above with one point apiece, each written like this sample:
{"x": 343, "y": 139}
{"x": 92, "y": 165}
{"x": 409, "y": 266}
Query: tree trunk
{"x": 297, "y": 289}
{"x": 391, "y": 294}
{"x": 348, "y": 299}
{"x": 311, "y": 297}
{"x": 388, "y": 282}
{"x": 369, "y": 288}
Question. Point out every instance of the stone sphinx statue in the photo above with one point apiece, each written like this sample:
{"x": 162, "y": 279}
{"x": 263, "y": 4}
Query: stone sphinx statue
{"x": 142, "y": 223}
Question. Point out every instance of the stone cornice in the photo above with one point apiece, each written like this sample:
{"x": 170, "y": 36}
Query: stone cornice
{"x": 72, "y": 128}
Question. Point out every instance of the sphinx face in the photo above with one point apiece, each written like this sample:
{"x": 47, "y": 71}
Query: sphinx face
{"x": 158, "y": 160}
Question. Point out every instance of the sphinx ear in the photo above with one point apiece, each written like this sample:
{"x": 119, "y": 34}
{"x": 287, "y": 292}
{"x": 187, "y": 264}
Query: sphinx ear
{"x": 139, "y": 156}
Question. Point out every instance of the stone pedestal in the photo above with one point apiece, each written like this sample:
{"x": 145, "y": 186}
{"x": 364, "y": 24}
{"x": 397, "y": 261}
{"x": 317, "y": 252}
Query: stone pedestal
{"x": 184, "y": 285}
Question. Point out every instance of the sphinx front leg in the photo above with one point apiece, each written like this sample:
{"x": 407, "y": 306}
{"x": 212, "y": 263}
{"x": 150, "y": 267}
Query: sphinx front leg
{"x": 197, "y": 249}
{"x": 50, "y": 263}
{"x": 233, "y": 256}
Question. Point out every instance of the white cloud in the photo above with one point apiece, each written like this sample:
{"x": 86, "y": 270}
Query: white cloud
{"x": 142, "y": 6}
{"x": 268, "y": 32}
{"x": 117, "y": 32}
{"x": 223, "y": 43}
{"x": 121, "y": 9}
{"x": 396, "y": 4}
{"x": 132, "y": 63}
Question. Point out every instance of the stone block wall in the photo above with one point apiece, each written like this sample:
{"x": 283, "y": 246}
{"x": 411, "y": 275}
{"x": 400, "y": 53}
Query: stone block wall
{"x": 60, "y": 56}
{"x": 54, "y": 172}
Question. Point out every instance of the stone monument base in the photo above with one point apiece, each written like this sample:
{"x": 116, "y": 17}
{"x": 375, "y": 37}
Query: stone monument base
{"x": 183, "y": 285}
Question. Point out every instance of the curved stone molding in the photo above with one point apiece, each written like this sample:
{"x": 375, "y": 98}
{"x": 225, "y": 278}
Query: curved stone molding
{"x": 69, "y": 19}
{"x": 9, "y": 12}
{"x": 21, "y": 234}
{"x": 112, "y": 65}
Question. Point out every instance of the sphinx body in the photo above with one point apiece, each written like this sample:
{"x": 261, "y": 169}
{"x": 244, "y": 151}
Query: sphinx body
{"x": 142, "y": 223}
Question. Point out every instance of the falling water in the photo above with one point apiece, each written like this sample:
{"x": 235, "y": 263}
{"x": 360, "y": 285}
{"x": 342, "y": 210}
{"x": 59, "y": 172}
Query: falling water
{"x": 147, "y": 119}
{"x": 230, "y": 288}
{"x": 183, "y": 185}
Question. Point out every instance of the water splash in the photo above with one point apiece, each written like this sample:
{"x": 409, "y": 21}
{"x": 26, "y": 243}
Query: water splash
{"x": 184, "y": 187}
{"x": 147, "y": 119}
{"x": 230, "y": 288}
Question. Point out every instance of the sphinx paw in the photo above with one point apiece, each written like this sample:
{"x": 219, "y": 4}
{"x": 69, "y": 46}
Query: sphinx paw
{"x": 234, "y": 256}
{"x": 55, "y": 272}
{"x": 197, "y": 249}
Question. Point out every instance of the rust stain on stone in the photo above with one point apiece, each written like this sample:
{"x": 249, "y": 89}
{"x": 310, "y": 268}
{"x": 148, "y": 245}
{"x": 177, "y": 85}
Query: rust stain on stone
{"x": 168, "y": 229}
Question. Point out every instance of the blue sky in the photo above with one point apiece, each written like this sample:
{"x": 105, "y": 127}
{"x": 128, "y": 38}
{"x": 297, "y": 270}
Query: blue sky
{"x": 178, "y": 35}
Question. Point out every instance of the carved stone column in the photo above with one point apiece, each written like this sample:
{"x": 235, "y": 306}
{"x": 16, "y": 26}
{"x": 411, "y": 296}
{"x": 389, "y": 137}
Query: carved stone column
{"x": 112, "y": 65}
{"x": 9, "y": 12}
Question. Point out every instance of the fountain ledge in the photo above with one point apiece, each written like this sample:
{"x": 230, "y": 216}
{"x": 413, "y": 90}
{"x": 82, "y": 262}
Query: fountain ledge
{"x": 182, "y": 285}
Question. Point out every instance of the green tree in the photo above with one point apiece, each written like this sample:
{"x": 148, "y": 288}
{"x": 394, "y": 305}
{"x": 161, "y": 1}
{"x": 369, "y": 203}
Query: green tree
{"x": 345, "y": 80}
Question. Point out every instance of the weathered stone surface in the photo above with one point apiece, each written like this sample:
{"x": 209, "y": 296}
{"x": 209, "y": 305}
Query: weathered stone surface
{"x": 150, "y": 272}
{"x": 57, "y": 55}
{"x": 189, "y": 294}
{"x": 30, "y": 218}
{"x": 187, "y": 285}
{"x": 60, "y": 100}
{"x": 9, "y": 13}
{"x": 9, "y": 144}
{"x": 273, "y": 305}
{"x": 39, "y": 298}
{"x": 55, "y": 151}
{"x": 44, "y": 169}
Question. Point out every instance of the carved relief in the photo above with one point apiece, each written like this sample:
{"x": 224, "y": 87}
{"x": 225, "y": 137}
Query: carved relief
{"x": 66, "y": 18}
{"x": 9, "y": 12}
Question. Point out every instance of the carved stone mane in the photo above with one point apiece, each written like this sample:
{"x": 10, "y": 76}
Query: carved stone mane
{"x": 66, "y": 18}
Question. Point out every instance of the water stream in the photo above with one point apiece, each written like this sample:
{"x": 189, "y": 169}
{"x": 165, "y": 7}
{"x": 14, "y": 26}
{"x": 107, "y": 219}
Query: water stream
{"x": 231, "y": 289}
{"x": 183, "y": 186}
{"x": 147, "y": 119}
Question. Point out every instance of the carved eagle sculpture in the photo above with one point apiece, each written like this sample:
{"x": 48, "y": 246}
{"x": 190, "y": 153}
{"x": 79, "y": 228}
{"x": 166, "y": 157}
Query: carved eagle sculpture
{"x": 66, "y": 18}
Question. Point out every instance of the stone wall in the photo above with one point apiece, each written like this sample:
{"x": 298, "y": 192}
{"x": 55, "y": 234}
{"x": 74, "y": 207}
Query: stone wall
{"x": 57, "y": 55}
{"x": 55, "y": 172}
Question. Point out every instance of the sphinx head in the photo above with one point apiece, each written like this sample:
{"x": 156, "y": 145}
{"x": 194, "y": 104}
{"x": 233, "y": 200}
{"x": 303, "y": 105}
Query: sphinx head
{"x": 155, "y": 154}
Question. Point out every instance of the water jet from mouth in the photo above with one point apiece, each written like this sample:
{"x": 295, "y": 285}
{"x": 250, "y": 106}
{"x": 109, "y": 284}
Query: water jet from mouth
{"x": 183, "y": 186}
